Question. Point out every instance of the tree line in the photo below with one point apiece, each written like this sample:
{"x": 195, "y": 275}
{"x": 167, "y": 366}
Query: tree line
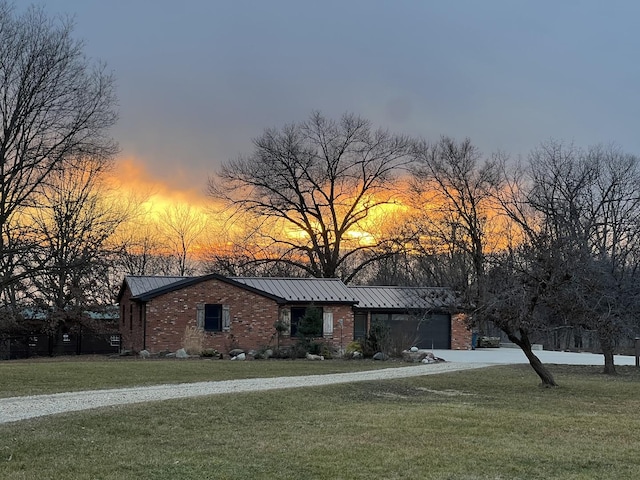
{"x": 532, "y": 244}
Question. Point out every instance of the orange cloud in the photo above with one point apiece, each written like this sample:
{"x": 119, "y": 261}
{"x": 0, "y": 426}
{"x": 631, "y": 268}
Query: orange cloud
{"x": 133, "y": 174}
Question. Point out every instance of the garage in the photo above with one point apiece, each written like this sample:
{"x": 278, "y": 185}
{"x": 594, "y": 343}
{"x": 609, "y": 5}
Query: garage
{"x": 416, "y": 316}
{"x": 423, "y": 331}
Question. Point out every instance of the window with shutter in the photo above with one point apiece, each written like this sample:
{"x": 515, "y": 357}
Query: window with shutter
{"x": 200, "y": 316}
{"x": 210, "y": 317}
{"x": 226, "y": 318}
{"x": 327, "y": 324}
{"x": 285, "y": 318}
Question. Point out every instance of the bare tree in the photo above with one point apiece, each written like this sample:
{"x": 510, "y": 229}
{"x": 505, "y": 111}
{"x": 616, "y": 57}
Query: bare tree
{"x": 137, "y": 248}
{"x": 453, "y": 188}
{"x": 578, "y": 212}
{"x": 54, "y": 105}
{"x": 313, "y": 185}
{"x": 181, "y": 226}
{"x": 76, "y": 215}
{"x": 514, "y": 300}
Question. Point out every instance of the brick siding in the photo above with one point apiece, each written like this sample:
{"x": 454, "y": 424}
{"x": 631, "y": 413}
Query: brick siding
{"x": 460, "y": 332}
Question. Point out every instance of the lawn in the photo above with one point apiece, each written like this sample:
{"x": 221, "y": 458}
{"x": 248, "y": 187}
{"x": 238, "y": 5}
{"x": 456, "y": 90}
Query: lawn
{"x": 65, "y": 374}
{"x": 493, "y": 423}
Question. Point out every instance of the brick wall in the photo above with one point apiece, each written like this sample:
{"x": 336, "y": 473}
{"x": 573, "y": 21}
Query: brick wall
{"x": 252, "y": 317}
{"x": 251, "y": 327}
{"x": 460, "y": 332}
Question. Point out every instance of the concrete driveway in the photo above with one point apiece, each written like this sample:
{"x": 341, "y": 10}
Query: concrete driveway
{"x": 514, "y": 355}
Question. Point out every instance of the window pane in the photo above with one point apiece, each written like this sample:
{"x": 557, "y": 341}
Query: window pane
{"x": 213, "y": 317}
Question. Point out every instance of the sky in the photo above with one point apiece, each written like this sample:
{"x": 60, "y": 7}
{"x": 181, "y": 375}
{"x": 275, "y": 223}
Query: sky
{"x": 199, "y": 79}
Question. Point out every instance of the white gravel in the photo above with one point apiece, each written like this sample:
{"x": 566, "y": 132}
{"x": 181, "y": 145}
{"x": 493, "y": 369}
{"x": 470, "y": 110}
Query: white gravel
{"x": 20, "y": 408}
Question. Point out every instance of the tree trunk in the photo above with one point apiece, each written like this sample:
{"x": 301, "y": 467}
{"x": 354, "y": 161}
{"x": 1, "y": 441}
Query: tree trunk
{"x": 525, "y": 345}
{"x": 607, "y": 351}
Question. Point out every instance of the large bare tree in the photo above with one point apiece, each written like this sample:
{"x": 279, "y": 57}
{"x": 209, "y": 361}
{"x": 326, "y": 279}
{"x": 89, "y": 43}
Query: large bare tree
{"x": 76, "y": 215}
{"x": 313, "y": 185}
{"x": 453, "y": 188}
{"x": 54, "y": 105}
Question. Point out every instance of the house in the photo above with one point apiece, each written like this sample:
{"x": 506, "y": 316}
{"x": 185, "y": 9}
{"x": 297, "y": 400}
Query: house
{"x": 230, "y": 312}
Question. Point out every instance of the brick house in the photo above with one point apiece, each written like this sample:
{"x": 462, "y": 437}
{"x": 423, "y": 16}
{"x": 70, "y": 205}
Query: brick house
{"x": 155, "y": 312}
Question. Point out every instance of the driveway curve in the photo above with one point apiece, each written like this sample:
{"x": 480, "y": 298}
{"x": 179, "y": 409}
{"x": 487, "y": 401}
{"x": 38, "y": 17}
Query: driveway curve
{"x": 14, "y": 409}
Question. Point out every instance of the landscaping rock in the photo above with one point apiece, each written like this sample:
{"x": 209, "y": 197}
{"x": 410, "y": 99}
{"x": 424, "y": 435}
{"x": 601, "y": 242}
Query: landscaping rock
{"x": 381, "y": 356}
{"x": 356, "y": 355}
{"x": 430, "y": 358}
{"x": 235, "y": 352}
{"x": 144, "y": 354}
{"x": 310, "y": 356}
{"x": 182, "y": 353}
{"x": 413, "y": 357}
{"x": 240, "y": 356}
{"x": 268, "y": 353}
{"x": 210, "y": 353}
{"x": 414, "y": 349}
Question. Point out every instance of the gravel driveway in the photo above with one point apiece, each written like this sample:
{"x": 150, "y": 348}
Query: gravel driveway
{"x": 20, "y": 408}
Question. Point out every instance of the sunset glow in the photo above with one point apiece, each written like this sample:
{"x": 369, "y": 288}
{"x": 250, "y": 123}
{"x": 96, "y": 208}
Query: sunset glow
{"x": 224, "y": 232}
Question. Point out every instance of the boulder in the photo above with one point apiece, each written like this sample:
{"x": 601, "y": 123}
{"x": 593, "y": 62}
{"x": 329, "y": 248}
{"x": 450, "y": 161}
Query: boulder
{"x": 240, "y": 356}
{"x": 310, "y": 356}
{"x": 413, "y": 349}
{"x": 182, "y": 353}
{"x": 235, "y": 352}
{"x": 381, "y": 356}
{"x": 431, "y": 358}
{"x": 356, "y": 355}
{"x": 144, "y": 354}
{"x": 413, "y": 357}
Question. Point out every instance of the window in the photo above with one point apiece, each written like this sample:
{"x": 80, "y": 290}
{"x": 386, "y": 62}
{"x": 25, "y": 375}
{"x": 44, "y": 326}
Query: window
{"x": 360, "y": 326}
{"x": 306, "y": 321}
{"x": 213, "y": 317}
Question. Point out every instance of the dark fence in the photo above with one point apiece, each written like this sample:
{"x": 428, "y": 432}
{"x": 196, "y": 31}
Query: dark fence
{"x": 42, "y": 345}
{"x": 573, "y": 339}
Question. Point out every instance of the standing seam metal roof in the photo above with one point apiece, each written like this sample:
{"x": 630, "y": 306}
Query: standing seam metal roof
{"x": 141, "y": 284}
{"x": 322, "y": 290}
{"x": 326, "y": 290}
{"x": 383, "y": 297}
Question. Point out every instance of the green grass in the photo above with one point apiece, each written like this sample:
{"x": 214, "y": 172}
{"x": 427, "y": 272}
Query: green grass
{"x": 66, "y": 374}
{"x": 493, "y": 423}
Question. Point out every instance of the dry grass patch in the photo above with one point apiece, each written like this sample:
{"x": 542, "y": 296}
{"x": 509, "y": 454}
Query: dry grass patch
{"x": 505, "y": 427}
